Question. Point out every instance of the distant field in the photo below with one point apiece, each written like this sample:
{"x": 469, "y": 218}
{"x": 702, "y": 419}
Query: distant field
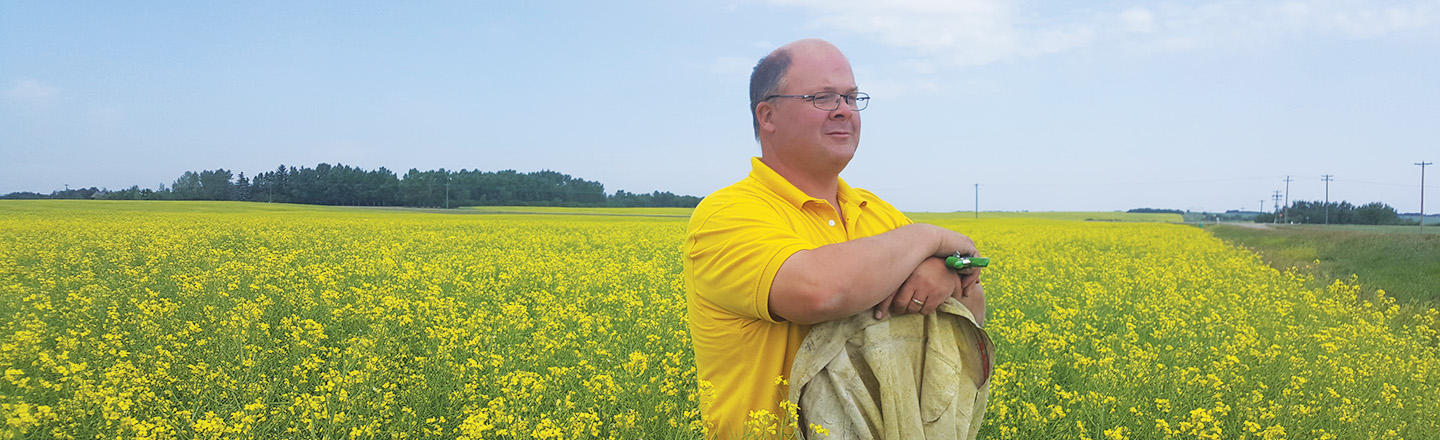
{"x": 681, "y": 212}
{"x": 49, "y": 207}
{"x": 917, "y": 216}
{"x": 1078, "y": 216}
{"x": 1397, "y": 259}
{"x": 199, "y": 207}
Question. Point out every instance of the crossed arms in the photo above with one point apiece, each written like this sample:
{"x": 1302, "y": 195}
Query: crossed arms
{"x": 888, "y": 272}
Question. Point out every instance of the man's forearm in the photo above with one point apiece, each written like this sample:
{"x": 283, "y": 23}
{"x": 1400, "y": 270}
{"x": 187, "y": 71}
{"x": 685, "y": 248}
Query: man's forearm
{"x": 839, "y": 280}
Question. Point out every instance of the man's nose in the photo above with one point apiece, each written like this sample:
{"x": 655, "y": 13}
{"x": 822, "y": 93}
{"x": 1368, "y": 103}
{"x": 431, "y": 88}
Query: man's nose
{"x": 843, "y": 111}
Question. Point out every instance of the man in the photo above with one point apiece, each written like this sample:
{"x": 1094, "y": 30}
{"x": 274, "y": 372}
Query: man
{"x": 794, "y": 245}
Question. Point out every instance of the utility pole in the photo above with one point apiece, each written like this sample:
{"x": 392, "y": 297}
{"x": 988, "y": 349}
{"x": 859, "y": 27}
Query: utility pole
{"x": 1277, "y": 207}
{"x": 977, "y": 201}
{"x": 1327, "y": 178}
{"x": 1262, "y": 206}
{"x": 447, "y": 192}
{"x": 1287, "y": 199}
{"x": 1422, "y": 165}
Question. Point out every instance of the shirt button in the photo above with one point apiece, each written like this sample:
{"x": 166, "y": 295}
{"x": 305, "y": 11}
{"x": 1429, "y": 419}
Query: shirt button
{"x": 832, "y": 223}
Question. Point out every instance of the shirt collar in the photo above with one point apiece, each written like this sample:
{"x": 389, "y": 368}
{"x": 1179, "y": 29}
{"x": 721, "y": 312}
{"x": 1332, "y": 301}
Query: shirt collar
{"x": 775, "y": 182}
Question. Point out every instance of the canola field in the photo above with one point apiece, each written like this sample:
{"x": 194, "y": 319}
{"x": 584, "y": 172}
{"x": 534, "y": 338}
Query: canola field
{"x": 193, "y": 320}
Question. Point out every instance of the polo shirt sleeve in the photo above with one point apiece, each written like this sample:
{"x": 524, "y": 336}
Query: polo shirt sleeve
{"x": 734, "y": 253}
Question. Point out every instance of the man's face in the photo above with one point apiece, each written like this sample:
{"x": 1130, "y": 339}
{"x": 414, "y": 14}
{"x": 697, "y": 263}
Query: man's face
{"x": 818, "y": 137}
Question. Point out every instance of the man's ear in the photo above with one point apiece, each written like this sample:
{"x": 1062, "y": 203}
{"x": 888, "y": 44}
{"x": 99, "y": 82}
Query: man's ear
{"x": 765, "y": 116}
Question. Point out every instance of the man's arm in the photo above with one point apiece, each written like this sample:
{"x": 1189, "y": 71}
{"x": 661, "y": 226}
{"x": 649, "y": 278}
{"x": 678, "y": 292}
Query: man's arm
{"x": 842, "y": 279}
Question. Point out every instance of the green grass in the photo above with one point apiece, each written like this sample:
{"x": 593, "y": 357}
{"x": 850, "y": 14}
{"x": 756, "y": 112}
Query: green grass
{"x": 1375, "y": 229}
{"x": 1405, "y": 264}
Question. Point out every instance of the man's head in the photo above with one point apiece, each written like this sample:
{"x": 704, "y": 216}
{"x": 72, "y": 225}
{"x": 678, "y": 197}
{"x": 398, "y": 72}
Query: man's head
{"x": 793, "y": 130}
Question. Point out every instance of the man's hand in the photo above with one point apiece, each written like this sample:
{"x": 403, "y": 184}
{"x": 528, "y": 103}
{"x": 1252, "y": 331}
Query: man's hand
{"x": 930, "y": 284}
{"x": 922, "y": 292}
{"x": 969, "y": 277}
{"x": 973, "y": 298}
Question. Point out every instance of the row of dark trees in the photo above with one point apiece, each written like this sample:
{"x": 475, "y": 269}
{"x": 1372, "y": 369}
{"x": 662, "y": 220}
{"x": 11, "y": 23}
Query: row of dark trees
{"x": 1317, "y": 212}
{"x": 1156, "y": 211}
{"x": 351, "y": 186}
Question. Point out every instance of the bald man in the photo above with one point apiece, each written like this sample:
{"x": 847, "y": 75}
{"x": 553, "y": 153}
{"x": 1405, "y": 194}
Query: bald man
{"x": 793, "y": 244}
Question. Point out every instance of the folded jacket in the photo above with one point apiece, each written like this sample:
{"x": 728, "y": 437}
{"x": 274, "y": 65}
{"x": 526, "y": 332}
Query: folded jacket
{"x": 903, "y": 377}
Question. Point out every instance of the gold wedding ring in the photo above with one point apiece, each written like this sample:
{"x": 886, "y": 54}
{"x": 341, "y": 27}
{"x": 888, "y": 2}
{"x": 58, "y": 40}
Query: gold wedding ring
{"x": 918, "y": 302}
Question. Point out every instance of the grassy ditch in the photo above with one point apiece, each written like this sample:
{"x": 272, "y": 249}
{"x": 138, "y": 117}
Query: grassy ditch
{"x": 1402, "y": 262}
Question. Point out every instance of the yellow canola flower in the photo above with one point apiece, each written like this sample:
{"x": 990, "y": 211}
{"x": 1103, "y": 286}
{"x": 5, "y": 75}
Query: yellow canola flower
{"x": 221, "y": 320}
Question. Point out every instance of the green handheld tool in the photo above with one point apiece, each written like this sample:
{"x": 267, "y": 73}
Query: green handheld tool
{"x": 962, "y": 262}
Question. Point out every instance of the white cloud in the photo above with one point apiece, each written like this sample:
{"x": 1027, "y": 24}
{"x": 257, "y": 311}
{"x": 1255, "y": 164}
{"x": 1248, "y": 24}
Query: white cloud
{"x": 1138, "y": 20}
{"x": 32, "y": 90}
{"x": 1376, "y": 22}
{"x": 978, "y": 32}
{"x": 965, "y": 32}
{"x": 1249, "y": 24}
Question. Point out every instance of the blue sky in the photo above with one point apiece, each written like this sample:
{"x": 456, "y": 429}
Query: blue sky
{"x": 1048, "y": 105}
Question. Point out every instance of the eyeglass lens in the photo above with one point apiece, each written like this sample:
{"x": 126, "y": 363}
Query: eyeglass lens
{"x": 830, "y": 101}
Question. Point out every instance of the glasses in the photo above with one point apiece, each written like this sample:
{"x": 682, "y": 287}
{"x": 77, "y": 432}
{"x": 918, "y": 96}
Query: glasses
{"x": 829, "y": 101}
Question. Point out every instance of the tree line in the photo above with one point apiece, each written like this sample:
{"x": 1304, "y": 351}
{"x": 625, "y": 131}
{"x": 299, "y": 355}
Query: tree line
{"x": 352, "y": 186}
{"x": 1156, "y": 211}
{"x": 1317, "y": 212}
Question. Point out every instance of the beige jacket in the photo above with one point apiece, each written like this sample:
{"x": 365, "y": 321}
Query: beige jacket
{"x": 903, "y": 377}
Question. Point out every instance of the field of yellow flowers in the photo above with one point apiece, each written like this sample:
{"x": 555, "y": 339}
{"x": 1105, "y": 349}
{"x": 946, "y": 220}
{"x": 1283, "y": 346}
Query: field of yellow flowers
{"x": 233, "y": 320}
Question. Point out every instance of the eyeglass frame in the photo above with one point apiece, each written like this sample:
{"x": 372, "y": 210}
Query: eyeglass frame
{"x": 861, "y": 100}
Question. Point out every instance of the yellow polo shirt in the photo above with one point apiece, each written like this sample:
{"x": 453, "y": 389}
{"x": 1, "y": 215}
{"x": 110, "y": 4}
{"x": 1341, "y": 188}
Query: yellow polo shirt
{"x": 737, "y": 240}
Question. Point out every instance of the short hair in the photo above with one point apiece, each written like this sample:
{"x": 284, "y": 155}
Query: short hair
{"x": 766, "y": 80}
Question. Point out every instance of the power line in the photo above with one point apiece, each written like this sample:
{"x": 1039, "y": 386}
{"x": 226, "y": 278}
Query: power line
{"x": 977, "y": 200}
{"x": 1327, "y": 178}
{"x": 1366, "y": 182}
{"x": 1277, "y": 207}
{"x": 1422, "y": 165}
{"x": 1286, "y": 212}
